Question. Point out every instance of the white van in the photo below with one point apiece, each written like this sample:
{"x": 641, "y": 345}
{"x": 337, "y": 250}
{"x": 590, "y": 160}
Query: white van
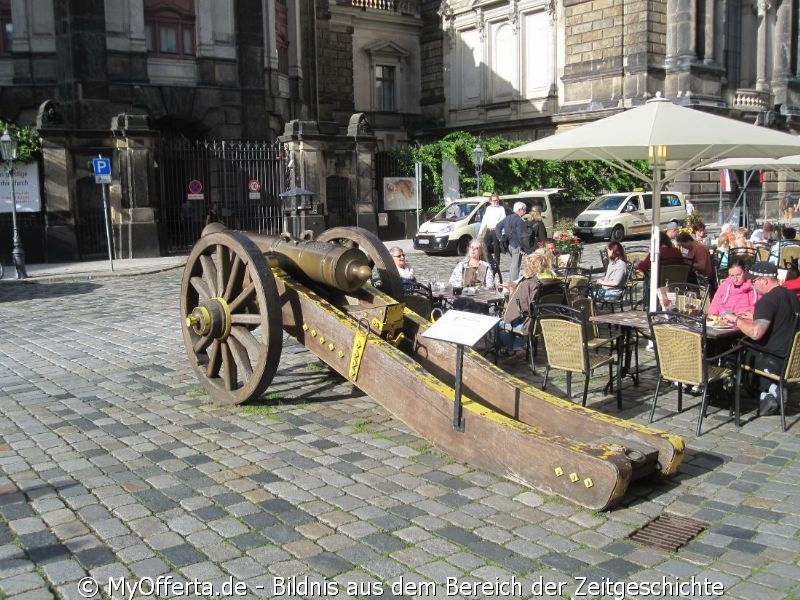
{"x": 617, "y": 216}
{"x": 454, "y": 227}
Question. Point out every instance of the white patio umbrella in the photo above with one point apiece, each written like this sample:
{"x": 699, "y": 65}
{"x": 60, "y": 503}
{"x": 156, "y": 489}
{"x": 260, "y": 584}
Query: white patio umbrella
{"x": 659, "y": 131}
{"x": 786, "y": 164}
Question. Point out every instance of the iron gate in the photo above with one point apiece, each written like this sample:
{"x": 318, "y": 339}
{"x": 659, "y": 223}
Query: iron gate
{"x": 242, "y": 181}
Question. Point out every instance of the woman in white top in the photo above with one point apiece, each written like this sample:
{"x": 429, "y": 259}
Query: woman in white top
{"x": 403, "y": 268}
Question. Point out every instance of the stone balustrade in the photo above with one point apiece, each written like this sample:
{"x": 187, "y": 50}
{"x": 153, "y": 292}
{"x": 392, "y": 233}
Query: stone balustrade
{"x": 750, "y": 100}
{"x": 405, "y": 7}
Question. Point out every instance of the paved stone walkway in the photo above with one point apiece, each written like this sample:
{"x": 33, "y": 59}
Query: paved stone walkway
{"x": 115, "y": 465}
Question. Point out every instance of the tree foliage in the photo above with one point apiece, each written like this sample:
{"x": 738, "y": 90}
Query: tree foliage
{"x": 581, "y": 179}
{"x": 28, "y": 141}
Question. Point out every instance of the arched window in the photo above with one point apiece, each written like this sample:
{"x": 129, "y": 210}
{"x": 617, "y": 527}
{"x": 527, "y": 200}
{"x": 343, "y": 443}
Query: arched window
{"x": 6, "y": 26}
{"x": 169, "y": 27}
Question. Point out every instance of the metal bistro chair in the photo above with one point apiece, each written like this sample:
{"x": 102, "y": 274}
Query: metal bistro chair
{"x": 747, "y": 254}
{"x": 566, "y": 332}
{"x": 552, "y": 291}
{"x": 787, "y": 254}
{"x": 680, "y": 343}
{"x": 577, "y": 281}
{"x": 789, "y": 372}
{"x": 604, "y": 258}
{"x": 419, "y": 298}
{"x": 634, "y": 254}
{"x": 594, "y": 340}
{"x": 762, "y": 253}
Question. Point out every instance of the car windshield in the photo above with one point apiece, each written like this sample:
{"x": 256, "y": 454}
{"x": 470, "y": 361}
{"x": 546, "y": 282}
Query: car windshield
{"x": 610, "y": 202}
{"x": 455, "y": 211}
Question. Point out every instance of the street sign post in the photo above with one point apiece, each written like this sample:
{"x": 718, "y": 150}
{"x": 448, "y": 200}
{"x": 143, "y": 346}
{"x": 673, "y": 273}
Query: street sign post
{"x": 101, "y": 167}
{"x": 254, "y": 189}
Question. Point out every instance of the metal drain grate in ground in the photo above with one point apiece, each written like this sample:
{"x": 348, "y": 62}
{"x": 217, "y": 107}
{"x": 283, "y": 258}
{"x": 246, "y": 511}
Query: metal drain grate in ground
{"x": 669, "y": 532}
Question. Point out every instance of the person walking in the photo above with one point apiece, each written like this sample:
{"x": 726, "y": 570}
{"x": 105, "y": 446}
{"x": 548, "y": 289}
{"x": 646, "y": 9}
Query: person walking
{"x": 513, "y": 226}
{"x": 493, "y": 214}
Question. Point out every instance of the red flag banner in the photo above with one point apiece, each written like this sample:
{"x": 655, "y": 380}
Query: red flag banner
{"x": 725, "y": 180}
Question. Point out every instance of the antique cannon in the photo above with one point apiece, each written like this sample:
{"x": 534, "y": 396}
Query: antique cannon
{"x": 241, "y": 291}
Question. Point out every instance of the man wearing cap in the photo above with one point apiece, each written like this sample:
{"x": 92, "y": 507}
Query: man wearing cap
{"x": 770, "y": 326}
{"x": 514, "y": 227}
{"x": 672, "y": 231}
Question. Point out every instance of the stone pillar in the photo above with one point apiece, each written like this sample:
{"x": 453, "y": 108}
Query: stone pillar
{"x": 686, "y": 21}
{"x": 61, "y": 243}
{"x": 762, "y": 6}
{"x": 132, "y": 210}
{"x": 709, "y": 30}
{"x": 782, "y": 48}
{"x": 320, "y": 153}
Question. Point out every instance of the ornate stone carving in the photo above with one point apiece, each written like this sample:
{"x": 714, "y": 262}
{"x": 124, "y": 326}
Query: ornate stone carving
{"x": 359, "y": 126}
{"x": 48, "y": 115}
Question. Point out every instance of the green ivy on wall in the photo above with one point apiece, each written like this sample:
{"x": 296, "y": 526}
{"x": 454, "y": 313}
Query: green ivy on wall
{"x": 581, "y": 179}
{"x": 28, "y": 140}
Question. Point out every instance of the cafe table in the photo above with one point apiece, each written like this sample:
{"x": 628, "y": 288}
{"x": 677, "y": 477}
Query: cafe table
{"x": 636, "y": 320}
{"x": 487, "y": 300}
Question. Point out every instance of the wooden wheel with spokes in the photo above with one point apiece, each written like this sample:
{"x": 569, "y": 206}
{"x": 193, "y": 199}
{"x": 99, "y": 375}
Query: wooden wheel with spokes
{"x": 232, "y": 324}
{"x": 379, "y": 257}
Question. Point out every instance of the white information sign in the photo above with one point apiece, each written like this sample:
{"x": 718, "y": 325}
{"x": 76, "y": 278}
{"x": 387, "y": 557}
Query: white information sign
{"x": 26, "y": 188}
{"x": 461, "y": 327}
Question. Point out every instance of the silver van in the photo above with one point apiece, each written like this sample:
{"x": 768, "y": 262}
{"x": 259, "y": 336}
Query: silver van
{"x": 617, "y": 216}
{"x": 457, "y": 224}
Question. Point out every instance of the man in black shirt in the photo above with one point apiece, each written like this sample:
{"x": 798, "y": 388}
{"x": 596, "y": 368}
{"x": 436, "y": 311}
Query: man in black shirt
{"x": 771, "y": 326}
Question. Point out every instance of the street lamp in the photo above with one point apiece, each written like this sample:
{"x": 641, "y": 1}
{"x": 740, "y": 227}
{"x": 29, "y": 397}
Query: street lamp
{"x": 477, "y": 160}
{"x": 8, "y": 150}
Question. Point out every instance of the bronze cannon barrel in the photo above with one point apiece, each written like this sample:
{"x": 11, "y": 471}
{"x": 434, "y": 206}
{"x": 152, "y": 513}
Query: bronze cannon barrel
{"x": 331, "y": 264}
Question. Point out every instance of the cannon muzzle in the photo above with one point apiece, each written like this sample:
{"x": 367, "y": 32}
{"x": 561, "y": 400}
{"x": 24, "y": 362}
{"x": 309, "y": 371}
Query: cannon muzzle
{"x": 330, "y": 264}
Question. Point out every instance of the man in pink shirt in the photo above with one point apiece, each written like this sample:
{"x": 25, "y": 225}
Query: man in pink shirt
{"x": 735, "y": 294}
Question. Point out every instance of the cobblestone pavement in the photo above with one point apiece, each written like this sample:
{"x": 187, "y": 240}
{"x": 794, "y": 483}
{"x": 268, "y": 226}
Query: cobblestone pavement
{"x": 116, "y": 465}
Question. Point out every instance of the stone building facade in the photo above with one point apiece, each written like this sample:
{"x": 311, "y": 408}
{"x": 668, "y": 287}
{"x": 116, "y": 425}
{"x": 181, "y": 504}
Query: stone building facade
{"x": 337, "y": 83}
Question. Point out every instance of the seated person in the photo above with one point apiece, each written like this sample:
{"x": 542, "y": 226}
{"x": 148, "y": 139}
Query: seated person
{"x": 764, "y": 236}
{"x": 473, "y": 271}
{"x": 726, "y": 236}
{"x": 517, "y": 318}
{"x": 770, "y": 326}
{"x": 699, "y": 231}
{"x": 667, "y": 253}
{"x": 721, "y": 253}
{"x": 697, "y": 252}
{"x": 735, "y": 293}
{"x": 789, "y": 239}
{"x": 612, "y": 285}
{"x": 403, "y": 268}
{"x": 740, "y": 239}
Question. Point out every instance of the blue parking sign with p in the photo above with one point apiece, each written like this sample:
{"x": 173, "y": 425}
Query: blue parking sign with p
{"x": 102, "y": 169}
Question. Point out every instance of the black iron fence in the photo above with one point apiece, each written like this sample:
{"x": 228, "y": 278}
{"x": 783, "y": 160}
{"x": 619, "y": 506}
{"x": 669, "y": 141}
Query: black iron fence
{"x": 240, "y": 181}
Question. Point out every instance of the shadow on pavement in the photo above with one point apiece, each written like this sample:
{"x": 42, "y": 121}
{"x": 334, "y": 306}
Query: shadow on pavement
{"x": 28, "y": 291}
{"x": 23, "y": 291}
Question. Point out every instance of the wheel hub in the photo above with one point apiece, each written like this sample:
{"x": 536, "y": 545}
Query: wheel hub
{"x": 211, "y": 318}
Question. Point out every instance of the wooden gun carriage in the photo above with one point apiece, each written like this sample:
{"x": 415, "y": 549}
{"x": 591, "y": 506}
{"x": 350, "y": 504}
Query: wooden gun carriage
{"x": 241, "y": 291}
